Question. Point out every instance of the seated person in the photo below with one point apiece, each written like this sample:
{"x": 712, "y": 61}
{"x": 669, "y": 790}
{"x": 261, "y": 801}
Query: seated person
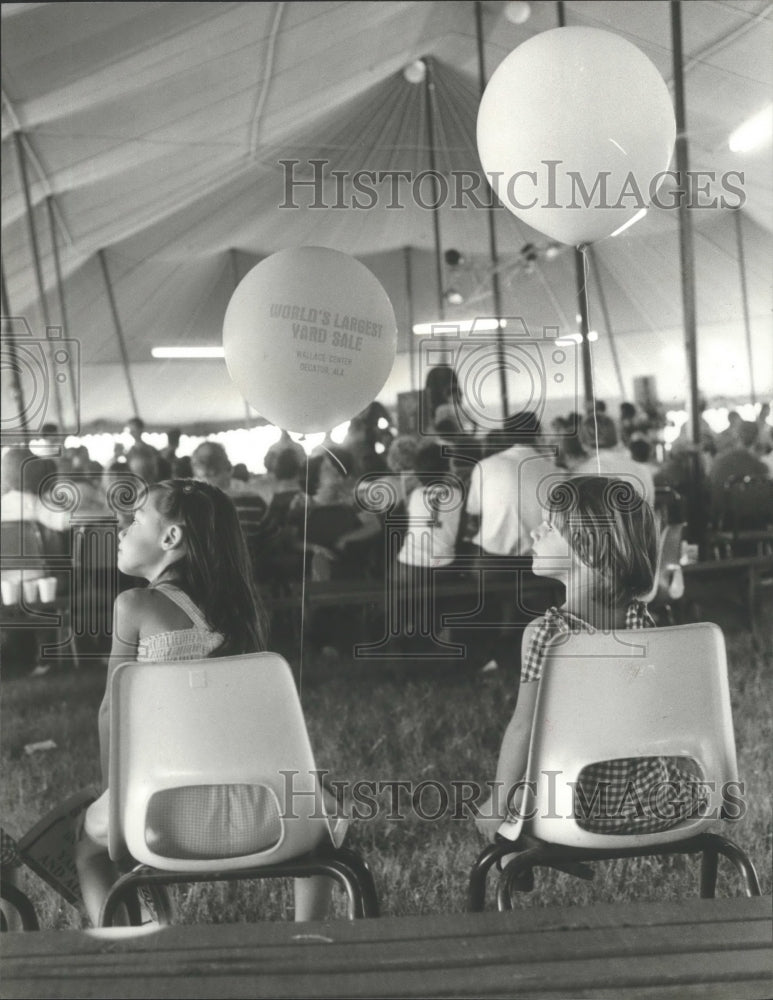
{"x": 201, "y": 601}
{"x": 605, "y": 553}
{"x": 735, "y": 462}
{"x": 341, "y": 531}
{"x": 429, "y": 547}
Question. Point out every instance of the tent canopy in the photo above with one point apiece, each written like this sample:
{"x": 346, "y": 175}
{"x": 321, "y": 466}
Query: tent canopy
{"x": 166, "y": 141}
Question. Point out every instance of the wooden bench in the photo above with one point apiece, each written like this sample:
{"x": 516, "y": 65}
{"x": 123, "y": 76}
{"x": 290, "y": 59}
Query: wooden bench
{"x": 752, "y": 572}
{"x": 359, "y": 593}
{"x": 695, "y": 948}
{"x": 378, "y": 622}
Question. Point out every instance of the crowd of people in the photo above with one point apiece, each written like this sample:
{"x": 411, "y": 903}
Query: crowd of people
{"x": 485, "y": 468}
{"x": 453, "y": 494}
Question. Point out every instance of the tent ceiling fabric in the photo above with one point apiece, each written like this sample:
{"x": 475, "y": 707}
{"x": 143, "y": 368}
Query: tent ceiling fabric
{"x": 159, "y": 130}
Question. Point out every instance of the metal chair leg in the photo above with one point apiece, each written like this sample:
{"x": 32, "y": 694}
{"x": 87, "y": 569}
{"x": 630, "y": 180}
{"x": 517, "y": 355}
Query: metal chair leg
{"x": 741, "y": 860}
{"x": 157, "y": 900}
{"x": 709, "y": 865}
{"x": 476, "y": 887}
{"x": 519, "y": 870}
{"x": 22, "y": 904}
{"x": 350, "y": 873}
{"x": 366, "y": 887}
{"x": 122, "y": 891}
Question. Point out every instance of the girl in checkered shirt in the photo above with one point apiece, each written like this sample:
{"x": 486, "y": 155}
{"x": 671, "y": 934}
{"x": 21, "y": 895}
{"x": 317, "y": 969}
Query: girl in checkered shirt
{"x": 599, "y": 539}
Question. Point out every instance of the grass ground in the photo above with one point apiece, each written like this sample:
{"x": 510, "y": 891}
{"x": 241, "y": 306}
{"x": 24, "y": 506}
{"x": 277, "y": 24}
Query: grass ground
{"x": 371, "y": 723}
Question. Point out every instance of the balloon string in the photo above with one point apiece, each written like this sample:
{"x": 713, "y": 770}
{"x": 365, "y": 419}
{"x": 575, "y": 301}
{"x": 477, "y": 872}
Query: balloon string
{"x": 303, "y": 577}
{"x": 583, "y": 248}
{"x": 335, "y": 459}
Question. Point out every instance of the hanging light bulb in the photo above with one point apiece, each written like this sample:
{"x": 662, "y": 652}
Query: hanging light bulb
{"x": 518, "y": 12}
{"x": 454, "y": 297}
{"x": 415, "y": 72}
{"x": 552, "y": 250}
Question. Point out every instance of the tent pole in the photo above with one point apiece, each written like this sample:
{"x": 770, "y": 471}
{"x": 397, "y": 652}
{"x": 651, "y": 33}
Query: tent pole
{"x": 429, "y": 93}
{"x": 118, "y": 332}
{"x": 62, "y": 309}
{"x": 607, "y": 321}
{"x": 492, "y": 232}
{"x": 9, "y": 338}
{"x": 687, "y": 260}
{"x": 21, "y": 160}
{"x": 409, "y": 301}
{"x": 745, "y": 302}
{"x": 233, "y": 256}
{"x": 582, "y": 290}
{"x": 686, "y": 250}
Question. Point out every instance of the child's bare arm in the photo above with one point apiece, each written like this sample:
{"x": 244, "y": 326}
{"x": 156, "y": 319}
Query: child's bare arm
{"x": 513, "y": 757}
{"x": 514, "y": 751}
{"x": 126, "y": 626}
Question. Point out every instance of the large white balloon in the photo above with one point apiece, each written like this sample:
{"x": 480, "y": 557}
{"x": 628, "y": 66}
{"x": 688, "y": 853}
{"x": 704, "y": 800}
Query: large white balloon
{"x": 309, "y": 338}
{"x": 575, "y": 130}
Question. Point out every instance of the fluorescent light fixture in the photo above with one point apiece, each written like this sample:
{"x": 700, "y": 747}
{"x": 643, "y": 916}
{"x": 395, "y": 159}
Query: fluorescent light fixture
{"x": 754, "y": 132}
{"x": 188, "y": 352}
{"x": 452, "y": 328}
{"x": 631, "y": 222}
{"x": 575, "y": 338}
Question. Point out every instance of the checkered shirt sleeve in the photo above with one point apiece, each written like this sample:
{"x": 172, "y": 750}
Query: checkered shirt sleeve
{"x": 551, "y": 624}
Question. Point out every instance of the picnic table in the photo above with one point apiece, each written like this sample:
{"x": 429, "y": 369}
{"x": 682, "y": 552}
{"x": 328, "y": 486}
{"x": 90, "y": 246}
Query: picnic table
{"x": 695, "y": 948}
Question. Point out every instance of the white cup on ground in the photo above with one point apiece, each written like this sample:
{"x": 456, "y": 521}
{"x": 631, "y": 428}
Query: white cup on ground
{"x": 30, "y": 591}
{"x": 47, "y": 587}
{"x": 11, "y": 590}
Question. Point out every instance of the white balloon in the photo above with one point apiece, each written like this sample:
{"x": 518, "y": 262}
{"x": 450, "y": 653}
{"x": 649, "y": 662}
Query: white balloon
{"x": 575, "y": 130}
{"x": 309, "y": 338}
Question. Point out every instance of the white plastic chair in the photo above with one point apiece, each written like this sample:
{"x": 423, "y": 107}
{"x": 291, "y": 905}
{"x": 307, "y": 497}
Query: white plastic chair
{"x": 659, "y": 692}
{"x": 212, "y": 777}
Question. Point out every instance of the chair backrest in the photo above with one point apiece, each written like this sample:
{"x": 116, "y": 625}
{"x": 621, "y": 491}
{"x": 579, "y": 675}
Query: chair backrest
{"x": 250, "y": 510}
{"x": 211, "y": 766}
{"x": 669, "y": 555}
{"x": 748, "y": 503}
{"x": 660, "y": 692}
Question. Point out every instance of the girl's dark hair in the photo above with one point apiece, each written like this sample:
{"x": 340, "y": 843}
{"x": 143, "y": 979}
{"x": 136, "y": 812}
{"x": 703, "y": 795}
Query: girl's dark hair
{"x": 215, "y": 571}
{"x": 612, "y": 529}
